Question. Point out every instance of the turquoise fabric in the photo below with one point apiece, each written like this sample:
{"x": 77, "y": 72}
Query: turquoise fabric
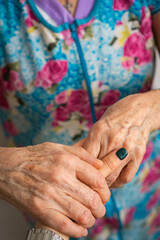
{"x": 43, "y": 93}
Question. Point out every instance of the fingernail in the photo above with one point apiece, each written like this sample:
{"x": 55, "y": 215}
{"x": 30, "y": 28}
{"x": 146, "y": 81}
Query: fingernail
{"x": 85, "y": 232}
{"x": 122, "y": 153}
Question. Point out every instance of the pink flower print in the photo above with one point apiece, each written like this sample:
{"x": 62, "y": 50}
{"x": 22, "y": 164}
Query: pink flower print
{"x": 80, "y": 31}
{"x": 136, "y": 70}
{"x": 60, "y": 114}
{"x": 146, "y": 28}
{"x": 122, "y": 4}
{"x": 31, "y": 14}
{"x": 52, "y": 73}
{"x": 13, "y": 82}
{"x": 147, "y": 86}
{"x": 101, "y": 223}
{"x": 143, "y": 13}
{"x": 86, "y": 24}
{"x": 67, "y": 37}
{"x": 152, "y": 177}
{"x": 129, "y": 215}
{"x": 10, "y": 128}
{"x": 148, "y": 152}
{"x": 28, "y": 22}
{"x": 155, "y": 225}
{"x": 128, "y": 63}
{"x": 110, "y": 98}
{"x": 153, "y": 200}
{"x": 30, "y": 18}
{"x": 49, "y": 107}
{"x": 119, "y": 23}
{"x": 3, "y": 101}
{"x": 81, "y": 28}
{"x": 61, "y": 98}
{"x": 107, "y": 100}
{"x": 78, "y": 101}
{"x": 151, "y": 7}
{"x": 157, "y": 163}
{"x": 100, "y": 110}
{"x": 145, "y": 57}
{"x": 134, "y": 46}
{"x": 22, "y": 1}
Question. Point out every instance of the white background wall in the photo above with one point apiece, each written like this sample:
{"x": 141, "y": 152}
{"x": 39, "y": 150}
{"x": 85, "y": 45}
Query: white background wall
{"x": 12, "y": 223}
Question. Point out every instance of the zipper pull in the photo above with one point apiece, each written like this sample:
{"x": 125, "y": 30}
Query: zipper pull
{"x": 73, "y": 27}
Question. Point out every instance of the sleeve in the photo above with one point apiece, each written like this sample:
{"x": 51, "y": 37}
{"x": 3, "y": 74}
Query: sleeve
{"x": 154, "y": 6}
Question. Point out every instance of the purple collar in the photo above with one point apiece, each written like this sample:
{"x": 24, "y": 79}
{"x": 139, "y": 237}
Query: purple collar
{"x": 60, "y": 15}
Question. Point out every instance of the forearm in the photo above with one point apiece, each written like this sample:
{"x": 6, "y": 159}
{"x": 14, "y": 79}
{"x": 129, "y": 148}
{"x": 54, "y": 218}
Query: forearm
{"x": 3, "y": 167}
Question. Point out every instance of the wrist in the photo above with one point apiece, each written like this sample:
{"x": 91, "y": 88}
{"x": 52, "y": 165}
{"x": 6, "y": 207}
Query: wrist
{"x": 7, "y": 163}
{"x": 153, "y": 116}
{"x": 42, "y": 226}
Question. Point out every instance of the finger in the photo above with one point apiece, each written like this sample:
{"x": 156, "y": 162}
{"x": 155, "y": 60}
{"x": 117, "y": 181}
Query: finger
{"x": 129, "y": 171}
{"x": 75, "y": 210}
{"x": 127, "y": 174}
{"x": 92, "y": 143}
{"x": 90, "y": 176}
{"x": 58, "y": 221}
{"x": 113, "y": 176}
{"x": 87, "y": 197}
{"x": 84, "y": 155}
{"x": 113, "y": 161}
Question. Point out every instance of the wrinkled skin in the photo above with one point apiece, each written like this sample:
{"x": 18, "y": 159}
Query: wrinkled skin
{"x": 127, "y": 124}
{"x": 56, "y": 184}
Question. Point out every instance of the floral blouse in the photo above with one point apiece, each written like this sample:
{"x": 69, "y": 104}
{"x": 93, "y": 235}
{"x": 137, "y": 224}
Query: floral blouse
{"x": 57, "y": 79}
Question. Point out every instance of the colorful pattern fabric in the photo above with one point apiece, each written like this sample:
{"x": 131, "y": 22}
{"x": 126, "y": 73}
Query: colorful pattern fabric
{"x": 44, "y": 97}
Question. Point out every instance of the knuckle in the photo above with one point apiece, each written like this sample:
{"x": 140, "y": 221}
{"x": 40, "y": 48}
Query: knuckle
{"x": 127, "y": 178}
{"x": 63, "y": 226}
{"x": 111, "y": 164}
{"x": 84, "y": 217}
{"x": 47, "y": 144}
{"x": 103, "y": 212}
{"x": 100, "y": 180}
{"x": 57, "y": 175}
{"x": 94, "y": 201}
{"x": 108, "y": 196}
{"x": 99, "y": 126}
{"x": 111, "y": 179}
{"x": 62, "y": 156}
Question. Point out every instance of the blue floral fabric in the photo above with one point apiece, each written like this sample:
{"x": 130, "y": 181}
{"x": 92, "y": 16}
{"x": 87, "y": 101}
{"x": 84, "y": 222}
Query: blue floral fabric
{"x": 44, "y": 97}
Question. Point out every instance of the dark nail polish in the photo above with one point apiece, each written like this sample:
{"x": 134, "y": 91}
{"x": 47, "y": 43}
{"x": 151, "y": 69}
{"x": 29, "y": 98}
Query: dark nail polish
{"x": 122, "y": 153}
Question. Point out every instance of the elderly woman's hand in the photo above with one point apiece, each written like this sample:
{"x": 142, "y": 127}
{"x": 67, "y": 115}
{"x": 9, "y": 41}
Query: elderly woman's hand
{"x": 56, "y": 184}
{"x": 126, "y": 124}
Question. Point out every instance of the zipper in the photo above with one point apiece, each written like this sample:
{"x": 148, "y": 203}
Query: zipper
{"x": 84, "y": 67}
{"x": 111, "y": 204}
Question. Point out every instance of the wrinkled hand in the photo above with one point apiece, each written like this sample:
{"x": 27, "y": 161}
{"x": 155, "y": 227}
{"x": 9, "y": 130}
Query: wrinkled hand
{"x": 126, "y": 124}
{"x": 56, "y": 184}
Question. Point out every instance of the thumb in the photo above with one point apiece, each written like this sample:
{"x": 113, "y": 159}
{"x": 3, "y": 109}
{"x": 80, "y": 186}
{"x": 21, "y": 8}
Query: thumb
{"x": 113, "y": 160}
